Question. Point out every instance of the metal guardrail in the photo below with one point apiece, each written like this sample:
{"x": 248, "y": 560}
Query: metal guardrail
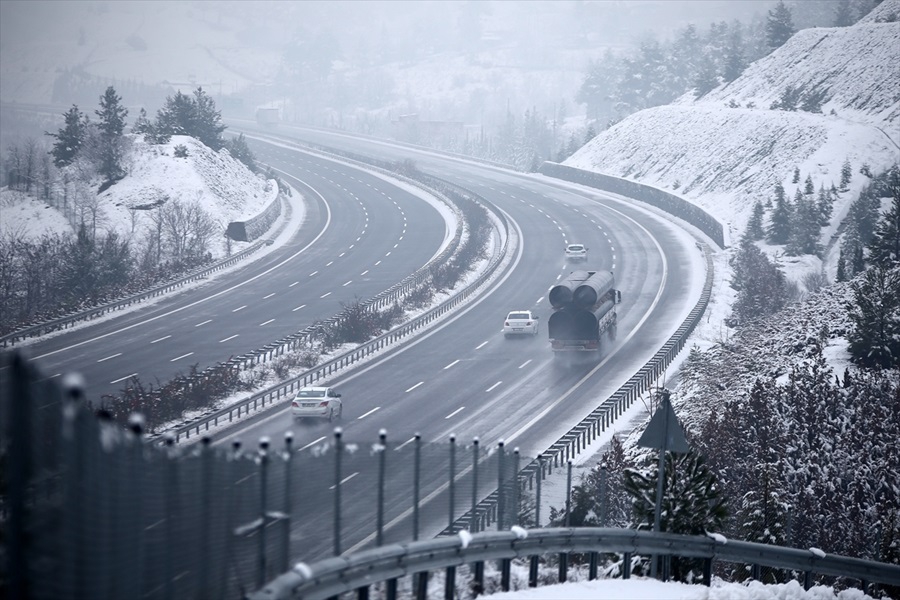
{"x": 266, "y": 398}
{"x": 661, "y": 199}
{"x": 90, "y": 314}
{"x": 332, "y": 576}
{"x": 594, "y": 424}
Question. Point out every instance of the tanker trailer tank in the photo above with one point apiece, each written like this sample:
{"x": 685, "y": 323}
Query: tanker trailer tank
{"x": 593, "y": 290}
{"x": 561, "y": 293}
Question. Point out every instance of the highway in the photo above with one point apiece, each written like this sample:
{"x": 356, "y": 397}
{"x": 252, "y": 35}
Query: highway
{"x": 359, "y": 235}
{"x": 463, "y": 377}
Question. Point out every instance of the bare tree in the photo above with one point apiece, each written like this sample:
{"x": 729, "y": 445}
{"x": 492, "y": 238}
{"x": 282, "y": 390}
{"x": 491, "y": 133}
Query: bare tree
{"x": 29, "y": 162}
{"x": 13, "y": 166}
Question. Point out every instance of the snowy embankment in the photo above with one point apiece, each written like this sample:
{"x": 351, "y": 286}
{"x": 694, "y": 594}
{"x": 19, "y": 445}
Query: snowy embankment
{"x": 222, "y": 186}
{"x": 725, "y": 159}
{"x": 650, "y": 589}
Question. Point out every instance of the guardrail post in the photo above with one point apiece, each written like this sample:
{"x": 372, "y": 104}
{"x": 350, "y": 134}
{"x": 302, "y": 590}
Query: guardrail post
{"x": 288, "y": 507}
{"x": 504, "y": 574}
{"x": 626, "y": 565}
{"x": 263, "y": 482}
{"x": 592, "y": 567}
{"x": 707, "y": 572}
{"x": 478, "y": 585}
{"x": 537, "y": 491}
{"x": 337, "y": 490}
{"x": 501, "y": 497}
{"x": 452, "y": 478}
{"x": 515, "y": 487}
{"x": 564, "y": 556}
{"x": 474, "y": 525}
{"x": 382, "y": 440}
{"x": 604, "y": 501}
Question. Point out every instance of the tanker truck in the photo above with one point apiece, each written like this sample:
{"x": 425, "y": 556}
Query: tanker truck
{"x": 584, "y": 308}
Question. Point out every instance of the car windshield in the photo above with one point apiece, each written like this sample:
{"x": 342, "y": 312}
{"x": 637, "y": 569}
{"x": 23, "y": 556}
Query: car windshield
{"x": 311, "y": 394}
{"x": 518, "y": 316}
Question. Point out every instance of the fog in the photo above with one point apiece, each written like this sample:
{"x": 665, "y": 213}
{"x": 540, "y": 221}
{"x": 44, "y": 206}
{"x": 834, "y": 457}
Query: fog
{"x": 354, "y": 65}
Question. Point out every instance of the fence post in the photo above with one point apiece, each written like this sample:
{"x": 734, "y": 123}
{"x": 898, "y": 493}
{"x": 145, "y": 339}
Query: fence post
{"x": 136, "y": 474}
{"x": 382, "y": 440}
{"x": 337, "y": 490}
{"x": 416, "y": 466}
{"x": 288, "y": 506}
{"x": 263, "y": 482}
{"x": 474, "y": 525}
{"x": 171, "y": 515}
{"x": 229, "y": 505}
{"x": 537, "y": 493}
{"x": 205, "y": 493}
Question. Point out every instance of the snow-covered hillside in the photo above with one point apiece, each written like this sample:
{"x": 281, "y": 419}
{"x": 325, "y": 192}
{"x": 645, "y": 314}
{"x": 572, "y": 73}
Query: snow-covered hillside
{"x": 855, "y": 67}
{"x": 222, "y": 186}
{"x": 728, "y": 149}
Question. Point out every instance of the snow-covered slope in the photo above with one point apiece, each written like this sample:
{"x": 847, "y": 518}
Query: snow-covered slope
{"x": 222, "y": 186}
{"x": 728, "y": 149}
{"x": 856, "y": 68}
{"x": 724, "y": 159}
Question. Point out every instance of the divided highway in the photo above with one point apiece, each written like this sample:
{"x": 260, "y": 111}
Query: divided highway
{"x": 464, "y": 377}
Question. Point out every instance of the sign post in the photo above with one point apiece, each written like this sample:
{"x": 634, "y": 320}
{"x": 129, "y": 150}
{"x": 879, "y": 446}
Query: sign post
{"x": 665, "y": 433}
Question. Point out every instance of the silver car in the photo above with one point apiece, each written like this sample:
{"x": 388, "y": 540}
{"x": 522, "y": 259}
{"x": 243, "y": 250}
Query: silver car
{"x": 317, "y": 402}
{"x": 576, "y": 252}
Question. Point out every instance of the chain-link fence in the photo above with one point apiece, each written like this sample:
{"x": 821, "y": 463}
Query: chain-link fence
{"x": 92, "y": 510}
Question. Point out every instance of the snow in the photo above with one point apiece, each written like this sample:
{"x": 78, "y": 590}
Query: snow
{"x": 649, "y": 589}
{"x": 223, "y": 187}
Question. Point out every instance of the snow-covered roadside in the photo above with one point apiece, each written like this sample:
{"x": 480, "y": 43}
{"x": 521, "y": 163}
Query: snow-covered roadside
{"x": 638, "y": 588}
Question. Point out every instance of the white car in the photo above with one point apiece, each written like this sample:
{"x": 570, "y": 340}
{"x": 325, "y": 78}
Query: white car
{"x": 576, "y": 252}
{"x": 317, "y": 402}
{"x": 520, "y": 322}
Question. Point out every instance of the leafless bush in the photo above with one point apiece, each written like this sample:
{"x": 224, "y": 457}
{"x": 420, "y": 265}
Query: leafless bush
{"x": 813, "y": 282}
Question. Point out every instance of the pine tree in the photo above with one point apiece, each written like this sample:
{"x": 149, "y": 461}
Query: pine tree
{"x": 804, "y": 238}
{"x": 692, "y": 503}
{"x": 796, "y": 177}
{"x": 841, "y": 267}
{"x": 825, "y": 203}
{"x": 846, "y": 174}
{"x": 874, "y": 339}
{"x": 735, "y": 63}
{"x": 755, "y": 224}
{"x": 842, "y": 14}
{"x": 884, "y": 249}
{"x": 209, "y": 125}
{"x": 111, "y": 125}
{"x": 178, "y": 116}
{"x": 590, "y": 134}
{"x": 239, "y": 149}
{"x": 707, "y": 78}
{"x": 809, "y": 188}
{"x": 779, "y": 231}
{"x": 142, "y": 124}
{"x": 760, "y": 284}
{"x": 70, "y": 139}
{"x": 779, "y": 26}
